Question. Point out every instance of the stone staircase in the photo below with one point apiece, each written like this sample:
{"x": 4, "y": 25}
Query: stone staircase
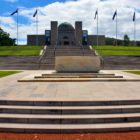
{"x": 48, "y": 59}
{"x": 69, "y": 116}
{"x": 74, "y": 51}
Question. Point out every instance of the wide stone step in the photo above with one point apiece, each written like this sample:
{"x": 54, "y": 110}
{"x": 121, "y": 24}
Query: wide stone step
{"x": 74, "y": 54}
{"x": 79, "y": 80}
{"x": 71, "y": 103}
{"x": 112, "y": 127}
{"x": 69, "y": 110}
{"x": 79, "y": 76}
{"x": 69, "y": 119}
{"x": 63, "y": 107}
{"x": 76, "y": 51}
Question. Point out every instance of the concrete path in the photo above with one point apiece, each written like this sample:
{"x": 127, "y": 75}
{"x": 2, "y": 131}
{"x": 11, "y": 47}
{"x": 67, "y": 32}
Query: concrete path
{"x": 10, "y": 89}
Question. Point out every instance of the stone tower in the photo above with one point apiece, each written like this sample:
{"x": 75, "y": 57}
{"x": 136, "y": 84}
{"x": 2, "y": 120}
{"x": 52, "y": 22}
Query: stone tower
{"x": 54, "y": 32}
{"x": 78, "y": 33}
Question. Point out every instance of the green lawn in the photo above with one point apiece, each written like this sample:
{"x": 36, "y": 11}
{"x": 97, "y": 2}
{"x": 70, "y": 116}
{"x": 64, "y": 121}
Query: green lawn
{"x": 102, "y": 50}
{"x": 20, "y": 50}
{"x": 6, "y": 73}
{"x": 118, "y": 50}
{"x": 134, "y": 72}
{"x": 21, "y": 47}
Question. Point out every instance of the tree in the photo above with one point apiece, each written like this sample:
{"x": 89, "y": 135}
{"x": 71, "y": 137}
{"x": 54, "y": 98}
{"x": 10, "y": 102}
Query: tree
{"x": 126, "y": 40}
{"x": 5, "y": 39}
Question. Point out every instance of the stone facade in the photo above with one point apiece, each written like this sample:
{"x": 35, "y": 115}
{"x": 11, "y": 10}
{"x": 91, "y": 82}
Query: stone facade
{"x": 65, "y": 35}
{"x": 31, "y": 40}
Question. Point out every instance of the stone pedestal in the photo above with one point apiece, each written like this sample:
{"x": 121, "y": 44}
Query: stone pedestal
{"x": 77, "y": 63}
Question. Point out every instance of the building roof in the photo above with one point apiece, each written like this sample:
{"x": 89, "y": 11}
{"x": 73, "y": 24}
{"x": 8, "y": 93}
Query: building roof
{"x": 65, "y": 27}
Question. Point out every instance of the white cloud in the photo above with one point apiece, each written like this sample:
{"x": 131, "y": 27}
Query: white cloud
{"x": 7, "y": 20}
{"x": 83, "y": 10}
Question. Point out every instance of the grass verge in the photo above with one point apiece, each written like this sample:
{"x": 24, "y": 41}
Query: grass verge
{"x": 20, "y": 50}
{"x": 7, "y": 73}
{"x": 118, "y": 50}
{"x": 134, "y": 72}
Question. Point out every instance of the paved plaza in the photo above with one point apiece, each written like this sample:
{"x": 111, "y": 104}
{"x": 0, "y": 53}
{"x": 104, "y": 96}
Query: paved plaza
{"x": 10, "y": 89}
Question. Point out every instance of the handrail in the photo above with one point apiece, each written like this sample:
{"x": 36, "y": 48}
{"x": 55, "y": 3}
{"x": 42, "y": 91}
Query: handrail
{"x": 44, "y": 50}
{"x": 82, "y": 48}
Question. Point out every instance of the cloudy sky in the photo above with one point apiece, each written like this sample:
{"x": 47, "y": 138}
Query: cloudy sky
{"x": 70, "y": 11}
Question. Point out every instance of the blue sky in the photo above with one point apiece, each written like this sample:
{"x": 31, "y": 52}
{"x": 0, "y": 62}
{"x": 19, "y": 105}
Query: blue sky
{"x": 70, "y": 11}
{"x": 9, "y": 5}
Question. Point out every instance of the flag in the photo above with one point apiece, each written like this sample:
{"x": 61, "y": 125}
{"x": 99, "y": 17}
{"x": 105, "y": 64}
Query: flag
{"x": 14, "y": 12}
{"x": 115, "y": 14}
{"x": 35, "y": 13}
{"x": 134, "y": 17}
{"x": 96, "y": 13}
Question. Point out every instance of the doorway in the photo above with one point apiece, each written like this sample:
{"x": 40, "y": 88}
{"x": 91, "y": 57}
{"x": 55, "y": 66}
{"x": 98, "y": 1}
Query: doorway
{"x": 66, "y": 41}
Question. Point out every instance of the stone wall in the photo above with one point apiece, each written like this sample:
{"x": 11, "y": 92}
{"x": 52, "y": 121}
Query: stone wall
{"x": 31, "y": 40}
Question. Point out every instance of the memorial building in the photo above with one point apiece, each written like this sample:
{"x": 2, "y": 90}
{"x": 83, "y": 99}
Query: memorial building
{"x": 65, "y": 35}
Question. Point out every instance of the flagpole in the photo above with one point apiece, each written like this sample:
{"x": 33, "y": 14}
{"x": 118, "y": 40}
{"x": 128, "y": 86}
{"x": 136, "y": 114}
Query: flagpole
{"x": 37, "y": 28}
{"x": 116, "y": 27}
{"x": 17, "y": 27}
{"x": 97, "y": 29}
{"x": 135, "y": 32}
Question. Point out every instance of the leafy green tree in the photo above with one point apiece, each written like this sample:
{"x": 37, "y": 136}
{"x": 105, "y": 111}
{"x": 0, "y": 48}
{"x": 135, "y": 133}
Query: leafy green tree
{"x": 5, "y": 39}
{"x": 126, "y": 40}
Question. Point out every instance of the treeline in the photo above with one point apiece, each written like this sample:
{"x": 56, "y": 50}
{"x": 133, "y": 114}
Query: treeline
{"x": 124, "y": 42}
{"x": 5, "y": 39}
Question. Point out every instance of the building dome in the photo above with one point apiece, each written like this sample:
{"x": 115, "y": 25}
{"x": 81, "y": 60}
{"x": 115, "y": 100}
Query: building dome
{"x": 65, "y": 27}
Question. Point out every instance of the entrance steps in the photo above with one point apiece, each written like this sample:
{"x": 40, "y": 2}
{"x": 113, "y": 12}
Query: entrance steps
{"x": 69, "y": 116}
{"x": 48, "y": 57}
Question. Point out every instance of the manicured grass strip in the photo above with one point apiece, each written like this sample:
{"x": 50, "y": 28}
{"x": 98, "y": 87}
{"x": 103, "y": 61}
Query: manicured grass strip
{"x": 19, "y": 52}
{"x": 127, "y": 48}
{"x": 134, "y": 72}
{"x": 118, "y": 53}
{"x": 21, "y": 47}
{"x": 7, "y": 73}
{"x": 118, "y": 50}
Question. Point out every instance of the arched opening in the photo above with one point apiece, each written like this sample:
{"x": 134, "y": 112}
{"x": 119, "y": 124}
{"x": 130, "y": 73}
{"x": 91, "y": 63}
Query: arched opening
{"x": 66, "y": 34}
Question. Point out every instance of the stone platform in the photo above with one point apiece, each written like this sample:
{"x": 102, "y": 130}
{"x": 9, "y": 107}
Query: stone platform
{"x": 67, "y": 107}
